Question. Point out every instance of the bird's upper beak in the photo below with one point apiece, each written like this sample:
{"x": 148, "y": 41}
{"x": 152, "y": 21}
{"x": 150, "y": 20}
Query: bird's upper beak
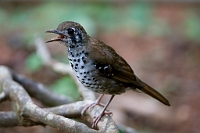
{"x": 59, "y": 38}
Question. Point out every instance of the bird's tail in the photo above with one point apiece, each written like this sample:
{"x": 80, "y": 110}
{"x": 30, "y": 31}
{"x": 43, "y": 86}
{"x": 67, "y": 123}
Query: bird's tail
{"x": 153, "y": 93}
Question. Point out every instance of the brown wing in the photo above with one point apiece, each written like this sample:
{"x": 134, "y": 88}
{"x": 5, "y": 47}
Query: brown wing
{"x": 111, "y": 64}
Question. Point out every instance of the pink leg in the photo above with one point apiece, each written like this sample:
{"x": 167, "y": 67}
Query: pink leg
{"x": 98, "y": 118}
{"x": 97, "y": 102}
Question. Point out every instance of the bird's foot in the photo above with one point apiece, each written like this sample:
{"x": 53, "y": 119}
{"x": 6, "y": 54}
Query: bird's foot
{"x": 87, "y": 107}
{"x": 97, "y": 102}
{"x": 98, "y": 118}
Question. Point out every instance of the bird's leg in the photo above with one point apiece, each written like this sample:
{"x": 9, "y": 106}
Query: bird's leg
{"x": 97, "y": 102}
{"x": 98, "y": 118}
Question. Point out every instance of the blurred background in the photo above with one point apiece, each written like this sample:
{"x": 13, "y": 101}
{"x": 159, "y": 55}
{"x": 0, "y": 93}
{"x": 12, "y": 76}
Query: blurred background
{"x": 159, "y": 39}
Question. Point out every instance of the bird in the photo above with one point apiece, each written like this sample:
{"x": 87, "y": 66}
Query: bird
{"x": 98, "y": 67}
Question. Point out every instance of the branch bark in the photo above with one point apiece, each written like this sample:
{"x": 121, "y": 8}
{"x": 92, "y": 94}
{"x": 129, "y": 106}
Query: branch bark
{"x": 41, "y": 92}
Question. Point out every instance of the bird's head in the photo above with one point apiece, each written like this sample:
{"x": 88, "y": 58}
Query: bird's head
{"x": 69, "y": 33}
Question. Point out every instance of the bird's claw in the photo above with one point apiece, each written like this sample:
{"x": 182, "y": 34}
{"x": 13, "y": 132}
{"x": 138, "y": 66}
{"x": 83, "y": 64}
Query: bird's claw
{"x": 97, "y": 102}
{"x": 98, "y": 118}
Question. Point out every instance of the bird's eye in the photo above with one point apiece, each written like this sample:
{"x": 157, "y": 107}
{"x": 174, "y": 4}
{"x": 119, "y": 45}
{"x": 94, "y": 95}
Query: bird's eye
{"x": 71, "y": 31}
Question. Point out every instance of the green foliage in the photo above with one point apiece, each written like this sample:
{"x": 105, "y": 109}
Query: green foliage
{"x": 3, "y": 16}
{"x": 140, "y": 16}
{"x": 107, "y": 17}
{"x": 137, "y": 16}
{"x": 65, "y": 86}
{"x": 121, "y": 131}
{"x": 33, "y": 62}
{"x": 191, "y": 25}
{"x": 159, "y": 28}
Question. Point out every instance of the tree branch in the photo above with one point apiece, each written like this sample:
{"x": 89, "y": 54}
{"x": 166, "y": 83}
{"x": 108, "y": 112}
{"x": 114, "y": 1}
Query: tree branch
{"x": 26, "y": 110}
{"x": 45, "y": 95}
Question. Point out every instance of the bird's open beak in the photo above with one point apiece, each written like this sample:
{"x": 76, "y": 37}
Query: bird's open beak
{"x": 59, "y": 38}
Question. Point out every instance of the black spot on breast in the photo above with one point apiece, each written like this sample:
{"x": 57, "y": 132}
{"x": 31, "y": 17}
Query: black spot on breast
{"x": 76, "y": 64}
{"x": 72, "y": 46}
{"x": 78, "y": 60}
{"x": 84, "y": 61}
{"x": 72, "y": 65}
{"x": 74, "y": 60}
{"x": 71, "y": 53}
{"x": 82, "y": 67}
{"x": 85, "y": 76}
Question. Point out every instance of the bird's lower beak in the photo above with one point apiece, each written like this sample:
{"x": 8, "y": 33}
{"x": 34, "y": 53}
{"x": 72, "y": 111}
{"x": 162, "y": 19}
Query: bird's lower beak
{"x": 59, "y": 38}
{"x": 54, "y": 39}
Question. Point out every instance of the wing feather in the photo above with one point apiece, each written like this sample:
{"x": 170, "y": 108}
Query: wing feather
{"x": 106, "y": 55}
